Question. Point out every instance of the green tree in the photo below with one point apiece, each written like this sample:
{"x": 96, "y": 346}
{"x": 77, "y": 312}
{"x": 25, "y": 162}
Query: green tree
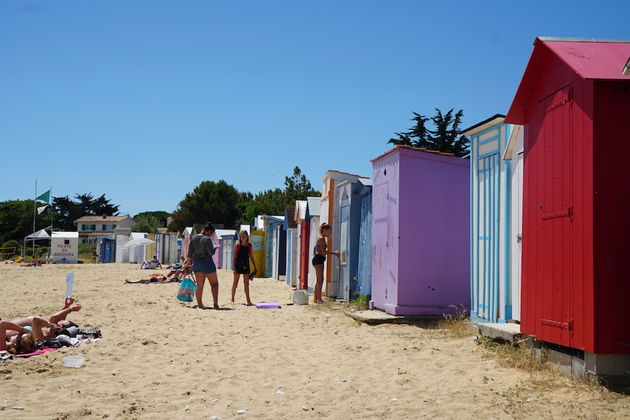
{"x": 210, "y": 201}
{"x": 445, "y": 137}
{"x": 67, "y": 210}
{"x": 16, "y": 220}
{"x": 297, "y": 187}
{"x": 148, "y": 223}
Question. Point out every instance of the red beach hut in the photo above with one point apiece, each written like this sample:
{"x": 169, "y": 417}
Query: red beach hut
{"x": 574, "y": 104}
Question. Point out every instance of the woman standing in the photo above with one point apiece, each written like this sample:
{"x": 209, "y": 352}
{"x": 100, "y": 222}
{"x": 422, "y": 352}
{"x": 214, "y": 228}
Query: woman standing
{"x": 240, "y": 262}
{"x": 200, "y": 252}
{"x": 320, "y": 251}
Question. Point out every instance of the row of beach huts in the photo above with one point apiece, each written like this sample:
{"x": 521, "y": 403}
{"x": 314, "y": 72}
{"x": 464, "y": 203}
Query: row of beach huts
{"x": 529, "y": 231}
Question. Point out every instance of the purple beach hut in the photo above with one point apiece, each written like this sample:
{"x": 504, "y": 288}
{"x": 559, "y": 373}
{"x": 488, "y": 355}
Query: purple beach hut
{"x": 420, "y": 232}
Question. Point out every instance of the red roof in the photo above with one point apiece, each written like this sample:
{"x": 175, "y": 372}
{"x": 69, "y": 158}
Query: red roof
{"x": 589, "y": 58}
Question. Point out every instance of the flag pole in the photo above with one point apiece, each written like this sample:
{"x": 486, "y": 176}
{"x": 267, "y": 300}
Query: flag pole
{"x": 34, "y": 216}
{"x": 51, "y": 211}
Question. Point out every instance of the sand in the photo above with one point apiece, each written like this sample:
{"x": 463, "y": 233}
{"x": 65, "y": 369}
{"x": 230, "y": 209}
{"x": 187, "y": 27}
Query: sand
{"x": 160, "y": 358}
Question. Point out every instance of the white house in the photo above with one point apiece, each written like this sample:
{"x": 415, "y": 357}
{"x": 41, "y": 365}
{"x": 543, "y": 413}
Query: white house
{"x": 90, "y": 228}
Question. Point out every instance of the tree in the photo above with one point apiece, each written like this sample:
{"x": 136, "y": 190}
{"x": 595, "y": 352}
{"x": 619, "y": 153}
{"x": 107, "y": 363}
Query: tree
{"x": 210, "y": 201}
{"x": 16, "y": 220}
{"x": 147, "y": 222}
{"x": 297, "y": 187}
{"x": 445, "y": 137}
{"x": 68, "y": 210}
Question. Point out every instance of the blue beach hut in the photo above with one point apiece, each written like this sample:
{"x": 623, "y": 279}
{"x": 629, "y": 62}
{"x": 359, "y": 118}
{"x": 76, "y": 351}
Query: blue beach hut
{"x": 349, "y": 197}
{"x": 364, "y": 269}
{"x": 495, "y": 228}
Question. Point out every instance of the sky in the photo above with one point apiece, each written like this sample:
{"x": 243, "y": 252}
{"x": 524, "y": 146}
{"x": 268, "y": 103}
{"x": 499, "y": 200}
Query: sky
{"x": 141, "y": 100}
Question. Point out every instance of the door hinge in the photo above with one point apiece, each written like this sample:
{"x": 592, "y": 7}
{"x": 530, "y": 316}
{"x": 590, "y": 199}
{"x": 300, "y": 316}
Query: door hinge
{"x": 565, "y": 213}
{"x": 564, "y": 325}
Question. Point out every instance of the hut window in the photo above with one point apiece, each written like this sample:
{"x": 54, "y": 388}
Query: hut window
{"x": 385, "y": 172}
{"x": 626, "y": 68}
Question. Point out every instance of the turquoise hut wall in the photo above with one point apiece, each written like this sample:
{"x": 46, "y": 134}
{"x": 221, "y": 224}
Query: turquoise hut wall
{"x": 365, "y": 245}
{"x": 492, "y": 287}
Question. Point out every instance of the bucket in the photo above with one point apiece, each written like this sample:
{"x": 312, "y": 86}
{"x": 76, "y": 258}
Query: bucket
{"x": 299, "y": 297}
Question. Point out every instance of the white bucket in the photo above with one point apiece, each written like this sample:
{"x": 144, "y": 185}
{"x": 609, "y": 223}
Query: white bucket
{"x": 299, "y": 297}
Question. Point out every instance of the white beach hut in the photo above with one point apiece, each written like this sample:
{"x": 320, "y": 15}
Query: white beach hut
{"x": 64, "y": 247}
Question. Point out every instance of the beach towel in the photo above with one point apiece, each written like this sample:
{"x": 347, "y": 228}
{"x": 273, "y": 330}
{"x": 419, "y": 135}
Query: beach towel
{"x": 186, "y": 290}
{"x": 268, "y": 305}
{"x": 36, "y": 353}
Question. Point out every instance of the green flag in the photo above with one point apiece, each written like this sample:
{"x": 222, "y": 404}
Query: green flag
{"x": 44, "y": 197}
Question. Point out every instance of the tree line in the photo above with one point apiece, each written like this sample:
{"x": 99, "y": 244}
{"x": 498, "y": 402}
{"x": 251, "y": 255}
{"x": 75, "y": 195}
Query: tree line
{"x": 217, "y": 201}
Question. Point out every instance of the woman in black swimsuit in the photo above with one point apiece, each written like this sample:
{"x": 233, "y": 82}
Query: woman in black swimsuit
{"x": 240, "y": 263}
{"x": 320, "y": 251}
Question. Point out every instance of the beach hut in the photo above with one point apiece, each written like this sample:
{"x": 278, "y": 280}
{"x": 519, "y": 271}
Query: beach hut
{"x": 304, "y": 233}
{"x": 166, "y": 247}
{"x": 275, "y": 247}
{"x": 420, "y": 232}
{"x": 573, "y": 102}
{"x": 257, "y": 238}
{"x": 64, "y": 247}
{"x": 122, "y": 253}
{"x": 187, "y": 236}
{"x": 328, "y": 215}
{"x": 228, "y": 242}
{"x": 348, "y": 225}
{"x": 137, "y": 254}
{"x": 364, "y": 269}
{"x": 292, "y": 246}
{"x": 313, "y": 208}
{"x": 107, "y": 249}
{"x": 494, "y": 286}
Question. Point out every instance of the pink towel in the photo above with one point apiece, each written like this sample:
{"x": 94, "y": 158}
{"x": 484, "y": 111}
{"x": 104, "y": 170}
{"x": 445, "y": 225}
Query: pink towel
{"x": 37, "y": 353}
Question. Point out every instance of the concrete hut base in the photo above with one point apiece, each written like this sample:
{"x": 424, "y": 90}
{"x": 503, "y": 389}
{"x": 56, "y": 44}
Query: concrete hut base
{"x": 612, "y": 369}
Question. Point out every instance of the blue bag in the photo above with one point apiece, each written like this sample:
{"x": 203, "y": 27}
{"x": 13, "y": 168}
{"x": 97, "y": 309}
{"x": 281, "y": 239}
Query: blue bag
{"x": 186, "y": 290}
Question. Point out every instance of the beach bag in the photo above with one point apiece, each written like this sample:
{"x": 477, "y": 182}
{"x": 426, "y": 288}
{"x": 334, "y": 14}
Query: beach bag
{"x": 186, "y": 290}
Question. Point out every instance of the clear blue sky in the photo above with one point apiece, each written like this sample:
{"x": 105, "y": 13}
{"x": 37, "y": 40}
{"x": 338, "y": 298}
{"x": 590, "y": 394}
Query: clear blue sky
{"x": 142, "y": 100}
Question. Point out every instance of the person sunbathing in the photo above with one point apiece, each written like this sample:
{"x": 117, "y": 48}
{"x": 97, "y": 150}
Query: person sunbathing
{"x": 154, "y": 278}
{"x": 39, "y": 328}
{"x": 180, "y": 272}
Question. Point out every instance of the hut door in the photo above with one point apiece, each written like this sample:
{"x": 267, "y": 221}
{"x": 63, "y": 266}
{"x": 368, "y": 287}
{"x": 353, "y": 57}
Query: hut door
{"x": 344, "y": 267}
{"x": 555, "y": 214}
{"x": 487, "y": 293}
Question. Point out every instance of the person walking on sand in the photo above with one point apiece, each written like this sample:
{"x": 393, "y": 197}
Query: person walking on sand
{"x": 200, "y": 254}
{"x": 240, "y": 262}
{"x": 319, "y": 258}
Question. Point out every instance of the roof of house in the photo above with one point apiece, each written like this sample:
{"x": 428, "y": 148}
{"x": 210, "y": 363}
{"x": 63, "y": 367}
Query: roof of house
{"x": 595, "y": 59}
{"x": 487, "y": 123}
{"x": 419, "y": 149}
{"x": 343, "y": 173}
{"x": 101, "y": 219}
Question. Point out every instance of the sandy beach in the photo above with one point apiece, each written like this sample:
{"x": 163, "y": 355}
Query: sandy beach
{"x": 160, "y": 358}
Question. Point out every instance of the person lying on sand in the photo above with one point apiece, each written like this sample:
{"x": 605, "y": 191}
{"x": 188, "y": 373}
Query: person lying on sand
{"x": 154, "y": 278}
{"x": 11, "y": 332}
{"x": 34, "y": 263}
{"x": 180, "y": 272}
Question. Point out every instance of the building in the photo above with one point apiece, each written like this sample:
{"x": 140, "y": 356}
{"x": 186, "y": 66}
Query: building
{"x": 90, "y": 228}
{"x": 573, "y": 102}
{"x": 495, "y": 188}
{"x": 420, "y": 232}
